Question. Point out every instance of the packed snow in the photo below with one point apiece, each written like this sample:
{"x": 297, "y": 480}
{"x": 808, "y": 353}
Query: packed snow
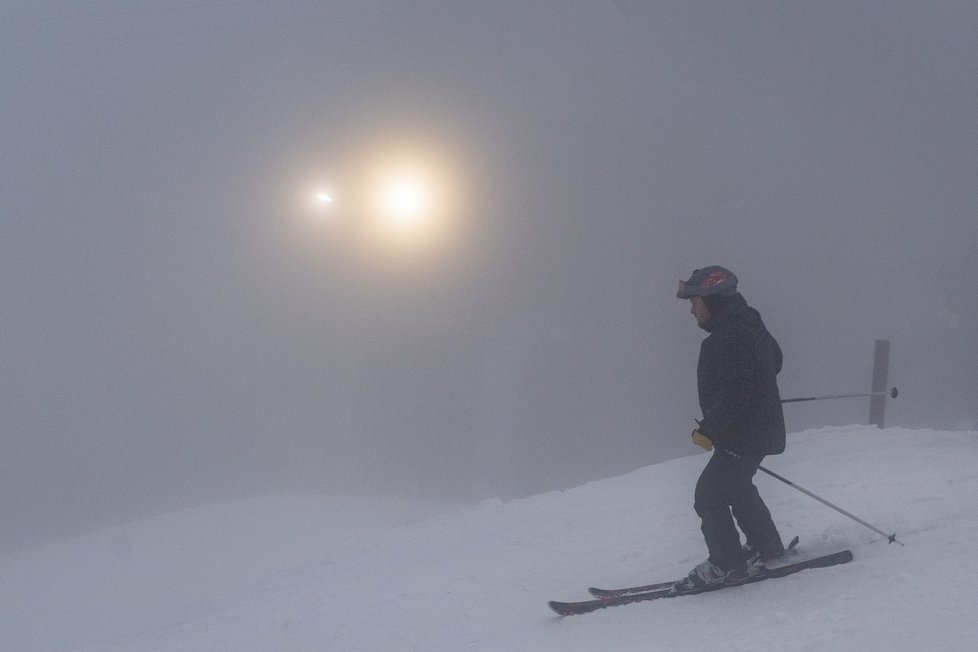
{"x": 297, "y": 573}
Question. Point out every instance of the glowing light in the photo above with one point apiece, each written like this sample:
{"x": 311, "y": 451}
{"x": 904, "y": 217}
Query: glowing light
{"x": 395, "y": 199}
{"x": 408, "y": 200}
{"x": 404, "y": 201}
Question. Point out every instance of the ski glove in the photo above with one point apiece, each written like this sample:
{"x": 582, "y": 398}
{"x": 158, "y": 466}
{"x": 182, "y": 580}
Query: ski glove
{"x": 702, "y": 441}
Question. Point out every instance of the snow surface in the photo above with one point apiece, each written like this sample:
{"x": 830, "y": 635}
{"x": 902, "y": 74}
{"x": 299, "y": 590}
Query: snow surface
{"x": 297, "y": 573}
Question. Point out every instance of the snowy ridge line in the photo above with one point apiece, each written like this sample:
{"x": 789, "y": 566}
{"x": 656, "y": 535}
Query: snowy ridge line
{"x": 288, "y": 574}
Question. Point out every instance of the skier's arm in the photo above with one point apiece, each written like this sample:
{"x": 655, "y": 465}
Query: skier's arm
{"x": 734, "y": 369}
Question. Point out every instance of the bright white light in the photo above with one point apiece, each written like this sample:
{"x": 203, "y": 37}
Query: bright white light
{"x": 408, "y": 201}
{"x": 405, "y": 201}
{"x": 396, "y": 198}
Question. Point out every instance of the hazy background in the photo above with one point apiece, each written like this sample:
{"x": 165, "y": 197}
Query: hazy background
{"x": 180, "y": 326}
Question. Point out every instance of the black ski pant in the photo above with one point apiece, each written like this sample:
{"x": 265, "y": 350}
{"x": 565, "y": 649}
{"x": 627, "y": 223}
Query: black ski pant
{"x": 725, "y": 491}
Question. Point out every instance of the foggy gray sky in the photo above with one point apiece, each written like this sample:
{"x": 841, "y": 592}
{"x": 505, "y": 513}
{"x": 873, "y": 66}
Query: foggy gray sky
{"x": 179, "y": 328}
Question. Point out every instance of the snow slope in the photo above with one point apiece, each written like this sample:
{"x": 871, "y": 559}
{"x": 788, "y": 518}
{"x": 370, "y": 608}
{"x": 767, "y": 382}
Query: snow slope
{"x": 293, "y": 573}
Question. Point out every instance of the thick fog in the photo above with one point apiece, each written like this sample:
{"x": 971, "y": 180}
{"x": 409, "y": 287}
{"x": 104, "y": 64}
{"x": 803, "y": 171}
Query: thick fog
{"x": 184, "y": 321}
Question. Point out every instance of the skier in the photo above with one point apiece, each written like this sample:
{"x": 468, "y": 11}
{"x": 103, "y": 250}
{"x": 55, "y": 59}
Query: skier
{"x": 736, "y": 378}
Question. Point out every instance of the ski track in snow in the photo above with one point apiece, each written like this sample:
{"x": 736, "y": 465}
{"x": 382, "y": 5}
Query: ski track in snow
{"x": 297, "y": 573}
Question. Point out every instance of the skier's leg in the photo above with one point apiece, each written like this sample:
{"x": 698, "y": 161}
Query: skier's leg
{"x": 753, "y": 516}
{"x": 716, "y": 484}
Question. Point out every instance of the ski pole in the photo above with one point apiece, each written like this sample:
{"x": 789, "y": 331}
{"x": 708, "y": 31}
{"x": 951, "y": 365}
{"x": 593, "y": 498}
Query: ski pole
{"x": 891, "y": 538}
{"x": 891, "y": 392}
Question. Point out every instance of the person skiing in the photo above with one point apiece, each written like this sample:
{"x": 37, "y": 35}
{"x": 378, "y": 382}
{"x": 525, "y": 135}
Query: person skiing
{"x": 736, "y": 378}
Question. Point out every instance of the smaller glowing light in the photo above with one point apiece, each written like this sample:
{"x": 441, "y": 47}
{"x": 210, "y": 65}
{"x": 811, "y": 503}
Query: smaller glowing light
{"x": 323, "y": 198}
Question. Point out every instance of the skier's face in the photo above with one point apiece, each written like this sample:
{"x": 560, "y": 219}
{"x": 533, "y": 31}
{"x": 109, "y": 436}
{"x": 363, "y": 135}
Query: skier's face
{"x": 699, "y": 310}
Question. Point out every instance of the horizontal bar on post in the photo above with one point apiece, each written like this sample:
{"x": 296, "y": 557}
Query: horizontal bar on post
{"x": 891, "y": 392}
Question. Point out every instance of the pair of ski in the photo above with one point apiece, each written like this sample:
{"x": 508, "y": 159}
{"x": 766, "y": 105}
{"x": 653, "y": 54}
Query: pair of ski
{"x": 614, "y": 597}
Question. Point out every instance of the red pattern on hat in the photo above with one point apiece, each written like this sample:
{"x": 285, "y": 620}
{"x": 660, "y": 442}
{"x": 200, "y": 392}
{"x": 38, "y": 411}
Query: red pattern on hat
{"x": 714, "y": 278}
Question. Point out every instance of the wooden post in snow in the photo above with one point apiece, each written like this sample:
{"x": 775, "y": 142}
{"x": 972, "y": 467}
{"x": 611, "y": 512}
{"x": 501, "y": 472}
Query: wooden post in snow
{"x": 881, "y": 364}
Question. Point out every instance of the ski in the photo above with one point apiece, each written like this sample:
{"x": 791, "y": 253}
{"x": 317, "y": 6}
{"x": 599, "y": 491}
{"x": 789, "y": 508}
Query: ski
{"x": 648, "y": 588}
{"x": 587, "y": 606}
{"x": 629, "y": 590}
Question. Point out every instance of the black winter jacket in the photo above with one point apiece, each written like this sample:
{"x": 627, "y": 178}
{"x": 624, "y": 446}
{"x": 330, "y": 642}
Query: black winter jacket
{"x": 737, "y": 381}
